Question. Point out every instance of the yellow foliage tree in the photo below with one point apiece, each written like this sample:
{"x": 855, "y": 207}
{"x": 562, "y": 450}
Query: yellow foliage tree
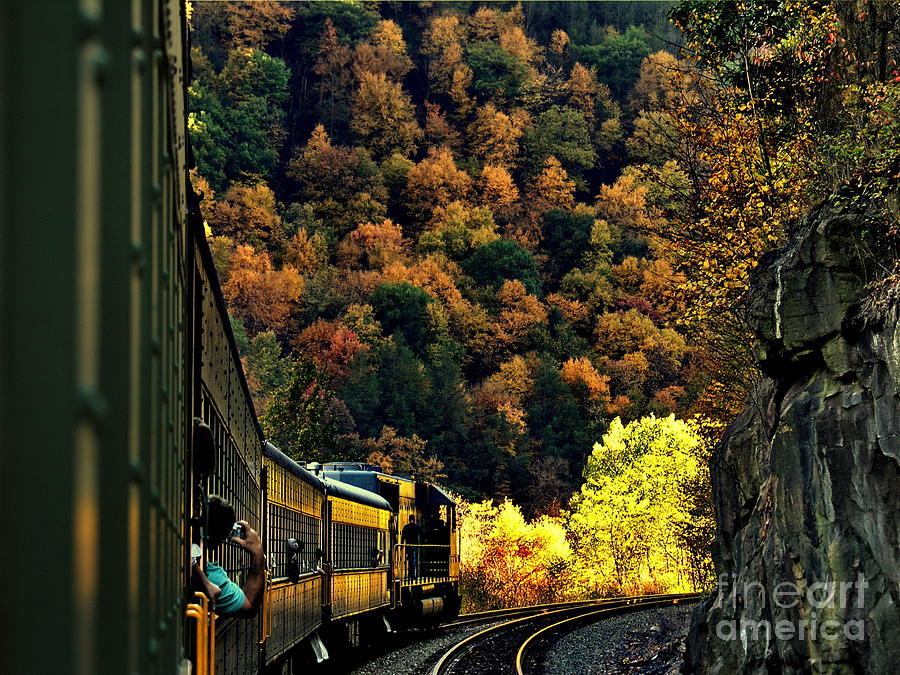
{"x": 643, "y": 519}
{"x": 372, "y": 246}
{"x": 497, "y": 190}
{"x": 582, "y": 89}
{"x": 509, "y": 562}
{"x": 384, "y": 117}
{"x": 519, "y": 311}
{"x": 435, "y": 181}
{"x": 581, "y": 375}
{"x": 494, "y": 136}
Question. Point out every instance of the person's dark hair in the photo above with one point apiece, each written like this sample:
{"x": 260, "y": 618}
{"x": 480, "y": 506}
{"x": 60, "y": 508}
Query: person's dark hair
{"x": 412, "y": 519}
{"x": 219, "y": 521}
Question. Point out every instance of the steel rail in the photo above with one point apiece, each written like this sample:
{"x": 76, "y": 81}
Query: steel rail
{"x": 531, "y": 641}
{"x": 454, "y": 655}
{"x": 487, "y": 615}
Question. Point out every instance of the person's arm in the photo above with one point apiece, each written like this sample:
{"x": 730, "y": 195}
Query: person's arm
{"x": 255, "y": 583}
{"x": 201, "y": 582}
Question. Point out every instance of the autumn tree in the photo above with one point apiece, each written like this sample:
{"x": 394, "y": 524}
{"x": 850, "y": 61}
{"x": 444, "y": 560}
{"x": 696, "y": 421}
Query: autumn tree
{"x": 258, "y": 293}
{"x": 550, "y": 189}
{"x": 508, "y": 562}
{"x": 448, "y": 75}
{"x": 399, "y": 455}
{"x": 582, "y": 376}
{"x": 582, "y": 89}
{"x": 559, "y": 45}
{"x": 248, "y": 215}
{"x": 306, "y": 252}
{"x": 383, "y": 116}
{"x": 438, "y": 129}
{"x": 435, "y": 181}
{"x": 332, "y": 65}
{"x": 457, "y": 229}
{"x": 372, "y": 246}
{"x": 385, "y": 53}
{"x": 520, "y": 312}
{"x": 494, "y": 136}
{"x": 325, "y": 173}
{"x": 255, "y": 24}
{"x": 497, "y": 190}
{"x": 642, "y": 486}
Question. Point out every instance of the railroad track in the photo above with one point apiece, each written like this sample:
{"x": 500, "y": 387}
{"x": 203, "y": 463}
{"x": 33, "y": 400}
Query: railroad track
{"x": 515, "y": 612}
{"x": 516, "y": 646}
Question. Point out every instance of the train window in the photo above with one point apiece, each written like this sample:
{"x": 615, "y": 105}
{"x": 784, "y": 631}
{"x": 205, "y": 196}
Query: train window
{"x": 356, "y": 545}
{"x": 287, "y": 524}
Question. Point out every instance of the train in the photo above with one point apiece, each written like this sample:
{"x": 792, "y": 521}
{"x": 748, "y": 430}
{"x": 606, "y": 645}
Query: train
{"x": 124, "y": 405}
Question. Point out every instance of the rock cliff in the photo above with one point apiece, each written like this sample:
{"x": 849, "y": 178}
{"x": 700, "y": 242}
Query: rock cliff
{"x": 806, "y": 481}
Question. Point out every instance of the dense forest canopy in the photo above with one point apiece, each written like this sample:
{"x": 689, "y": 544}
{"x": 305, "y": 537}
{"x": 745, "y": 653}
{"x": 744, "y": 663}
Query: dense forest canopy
{"x": 428, "y": 245}
{"x": 463, "y": 238}
{"x": 469, "y": 240}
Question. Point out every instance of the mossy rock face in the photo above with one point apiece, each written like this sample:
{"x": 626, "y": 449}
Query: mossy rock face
{"x": 807, "y": 480}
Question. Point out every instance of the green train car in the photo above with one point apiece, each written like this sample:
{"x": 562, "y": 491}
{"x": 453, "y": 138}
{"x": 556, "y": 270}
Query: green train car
{"x": 114, "y": 344}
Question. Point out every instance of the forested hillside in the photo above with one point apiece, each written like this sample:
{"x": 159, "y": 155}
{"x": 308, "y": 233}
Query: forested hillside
{"x": 431, "y": 222}
{"x": 473, "y": 241}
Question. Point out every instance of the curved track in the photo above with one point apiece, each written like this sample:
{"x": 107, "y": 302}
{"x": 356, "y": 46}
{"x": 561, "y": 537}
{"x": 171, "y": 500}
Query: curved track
{"x": 516, "y": 646}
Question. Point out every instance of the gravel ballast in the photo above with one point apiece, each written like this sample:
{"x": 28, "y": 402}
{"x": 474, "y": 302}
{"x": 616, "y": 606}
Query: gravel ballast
{"x": 646, "y": 642}
{"x": 420, "y": 657}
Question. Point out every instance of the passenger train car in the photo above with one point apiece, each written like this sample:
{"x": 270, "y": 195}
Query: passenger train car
{"x": 123, "y": 404}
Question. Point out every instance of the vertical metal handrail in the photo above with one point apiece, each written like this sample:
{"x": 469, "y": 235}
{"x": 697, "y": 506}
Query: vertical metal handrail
{"x": 211, "y": 659}
{"x": 266, "y": 618}
{"x": 208, "y": 640}
{"x": 201, "y": 643}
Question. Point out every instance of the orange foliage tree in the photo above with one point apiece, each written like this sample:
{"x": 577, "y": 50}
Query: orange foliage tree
{"x": 247, "y": 214}
{"x": 259, "y": 294}
{"x": 435, "y": 181}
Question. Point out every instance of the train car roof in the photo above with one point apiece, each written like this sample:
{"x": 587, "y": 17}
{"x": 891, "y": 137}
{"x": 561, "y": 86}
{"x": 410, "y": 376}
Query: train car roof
{"x": 292, "y": 467}
{"x": 353, "y": 493}
{"x": 368, "y": 480}
{"x": 436, "y": 495}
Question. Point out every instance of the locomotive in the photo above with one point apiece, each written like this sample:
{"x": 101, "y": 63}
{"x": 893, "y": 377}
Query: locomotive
{"x": 124, "y": 403}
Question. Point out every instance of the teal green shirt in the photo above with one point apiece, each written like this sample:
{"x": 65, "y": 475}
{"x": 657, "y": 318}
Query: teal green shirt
{"x": 231, "y": 599}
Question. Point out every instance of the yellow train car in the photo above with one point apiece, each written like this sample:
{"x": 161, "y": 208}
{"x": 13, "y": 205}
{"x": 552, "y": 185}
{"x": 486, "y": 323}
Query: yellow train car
{"x": 424, "y": 569}
{"x": 295, "y": 549}
{"x": 358, "y": 551}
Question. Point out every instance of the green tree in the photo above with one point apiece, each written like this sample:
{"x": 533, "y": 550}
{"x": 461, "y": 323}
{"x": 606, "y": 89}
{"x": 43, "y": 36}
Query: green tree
{"x": 566, "y": 239}
{"x": 617, "y": 57}
{"x": 297, "y": 420}
{"x": 400, "y": 308}
{"x": 267, "y": 371}
{"x": 500, "y": 261}
{"x": 562, "y": 133}
{"x": 497, "y": 73}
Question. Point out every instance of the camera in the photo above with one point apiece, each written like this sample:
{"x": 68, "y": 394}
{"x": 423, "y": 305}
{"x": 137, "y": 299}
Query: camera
{"x": 237, "y": 532}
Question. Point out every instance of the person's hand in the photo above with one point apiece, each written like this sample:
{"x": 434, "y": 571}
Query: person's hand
{"x": 251, "y": 540}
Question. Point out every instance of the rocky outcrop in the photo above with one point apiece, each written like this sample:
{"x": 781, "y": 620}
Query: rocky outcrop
{"x": 806, "y": 481}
